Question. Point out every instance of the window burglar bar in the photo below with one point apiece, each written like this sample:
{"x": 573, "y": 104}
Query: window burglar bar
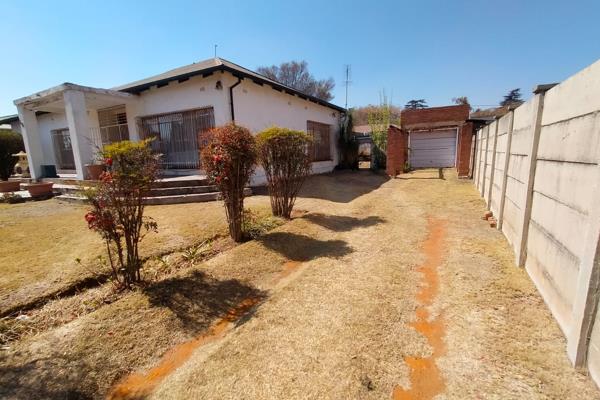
{"x": 319, "y": 132}
{"x": 177, "y": 136}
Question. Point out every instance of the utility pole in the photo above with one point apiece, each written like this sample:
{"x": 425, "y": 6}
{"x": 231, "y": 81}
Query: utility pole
{"x": 347, "y": 82}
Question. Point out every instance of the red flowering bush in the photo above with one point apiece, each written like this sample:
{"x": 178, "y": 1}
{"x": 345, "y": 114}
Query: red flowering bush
{"x": 228, "y": 159}
{"x": 117, "y": 208}
{"x": 283, "y": 154}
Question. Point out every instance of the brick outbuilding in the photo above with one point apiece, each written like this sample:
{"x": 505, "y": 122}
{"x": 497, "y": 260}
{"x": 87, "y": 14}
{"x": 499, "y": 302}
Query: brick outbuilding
{"x": 431, "y": 137}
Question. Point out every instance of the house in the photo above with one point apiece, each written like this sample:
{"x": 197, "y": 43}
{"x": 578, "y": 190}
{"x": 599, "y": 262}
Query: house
{"x": 11, "y": 122}
{"x": 434, "y": 137}
{"x": 66, "y": 124}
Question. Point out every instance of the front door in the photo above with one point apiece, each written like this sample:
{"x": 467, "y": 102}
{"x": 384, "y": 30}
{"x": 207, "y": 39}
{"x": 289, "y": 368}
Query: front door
{"x": 63, "y": 151}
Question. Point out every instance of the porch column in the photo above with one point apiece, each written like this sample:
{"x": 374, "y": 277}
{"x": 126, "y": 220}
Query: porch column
{"x": 132, "y": 112}
{"x": 79, "y": 130}
{"x": 32, "y": 140}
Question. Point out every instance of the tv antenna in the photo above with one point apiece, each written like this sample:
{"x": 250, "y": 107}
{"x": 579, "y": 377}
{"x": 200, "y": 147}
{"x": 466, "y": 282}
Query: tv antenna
{"x": 347, "y": 83}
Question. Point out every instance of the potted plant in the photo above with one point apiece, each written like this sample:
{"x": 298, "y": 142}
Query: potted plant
{"x": 40, "y": 189}
{"x": 95, "y": 169}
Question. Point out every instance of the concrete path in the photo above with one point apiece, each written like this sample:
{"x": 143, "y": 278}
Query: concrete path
{"x": 400, "y": 291}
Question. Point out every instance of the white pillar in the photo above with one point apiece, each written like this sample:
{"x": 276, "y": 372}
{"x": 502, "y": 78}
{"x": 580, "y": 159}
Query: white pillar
{"x": 79, "y": 130}
{"x": 131, "y": 110}
{"x": 493, "y": 164}
{"x": 32, "y": 140}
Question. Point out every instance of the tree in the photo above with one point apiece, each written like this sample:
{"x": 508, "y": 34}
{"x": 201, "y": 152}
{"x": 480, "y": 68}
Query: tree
{"x": 512, "y": 98}
{"x": 10, "y": 143}
{"x": 284, "y": 157}
{"x": 461, "y": 100}
{"x": 228, "y": 160}
{"x": 295, "y": 74}
{"x": 117, "y": 206}
{"x": 416, "y": 104}
{"x": 360, "y": 115}
{"x": 380, "y": 120}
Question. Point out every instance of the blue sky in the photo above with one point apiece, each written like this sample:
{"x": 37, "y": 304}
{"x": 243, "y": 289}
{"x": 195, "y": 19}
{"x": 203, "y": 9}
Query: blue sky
{"x": 434, "y": 50}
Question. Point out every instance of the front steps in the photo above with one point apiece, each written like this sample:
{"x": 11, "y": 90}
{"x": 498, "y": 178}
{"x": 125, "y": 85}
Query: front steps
{"x": 166, "y": 191}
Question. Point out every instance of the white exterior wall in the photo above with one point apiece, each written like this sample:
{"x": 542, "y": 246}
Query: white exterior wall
{"x": 46, "y": 124}
{"x": 259, "y": 107}
{"x": 561, "y": 242}
{"x": 256, "y": 107}
{"x": 197, "y": 92}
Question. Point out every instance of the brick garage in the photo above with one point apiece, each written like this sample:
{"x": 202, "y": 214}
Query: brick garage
{"x": 431, "y": 137}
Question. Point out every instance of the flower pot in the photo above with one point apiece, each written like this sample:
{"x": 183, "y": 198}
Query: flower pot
{"x": 9, "y": 186}
{"x": 40, "y": 189}
{"x": 94, "y": 171}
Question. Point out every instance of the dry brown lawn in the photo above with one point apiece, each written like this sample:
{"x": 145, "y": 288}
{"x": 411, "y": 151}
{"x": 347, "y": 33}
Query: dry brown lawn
{"x": 41, "y": 242}
{"x": 337, "y": 324}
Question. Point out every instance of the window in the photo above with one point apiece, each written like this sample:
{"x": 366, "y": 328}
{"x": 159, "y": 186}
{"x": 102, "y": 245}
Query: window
{"x": 113, "y": 124}
{"x": 320, "y": 134}
{"x": 177, "y": 135}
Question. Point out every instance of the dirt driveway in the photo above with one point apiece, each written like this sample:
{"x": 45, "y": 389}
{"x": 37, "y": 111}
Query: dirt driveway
{"x": 417, "y": 298}
{"x": 379, "y": 289}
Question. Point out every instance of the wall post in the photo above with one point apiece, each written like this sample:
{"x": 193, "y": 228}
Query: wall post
{"x": 536, "y": 126}
{"x": 506, "y": 165}
{"x": 493, "y": 163}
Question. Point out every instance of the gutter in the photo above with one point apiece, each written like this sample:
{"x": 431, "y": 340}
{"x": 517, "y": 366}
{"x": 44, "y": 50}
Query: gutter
{"x": 231, "y": 98}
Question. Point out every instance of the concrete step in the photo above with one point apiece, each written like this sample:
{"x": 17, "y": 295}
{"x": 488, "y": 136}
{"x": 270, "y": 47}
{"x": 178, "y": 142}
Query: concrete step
{"x": 170, "y": 183}
{"x": 160, "y": 200}
{"x": 180, "y": 190}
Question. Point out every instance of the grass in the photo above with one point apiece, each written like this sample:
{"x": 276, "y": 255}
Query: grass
{"x": 338, "y": 295}
{"x": 41, "y": 242}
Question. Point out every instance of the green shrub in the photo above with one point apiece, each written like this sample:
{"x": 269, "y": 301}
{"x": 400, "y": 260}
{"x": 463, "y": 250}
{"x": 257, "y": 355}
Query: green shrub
{"x": 228, "y": 159}
{"x": 283, "y": 153}
{"x": 117, "y": 207}
{"x": 10, "y": 143}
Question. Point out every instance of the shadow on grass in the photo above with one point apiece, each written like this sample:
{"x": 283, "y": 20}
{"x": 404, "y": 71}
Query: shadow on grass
{"x": 198, "y": 299}
{"x": 44, "y": 378}
{"x": 303, "y": 248}
{"x": 342, "y": 186}
{"x": 341, "y": 223}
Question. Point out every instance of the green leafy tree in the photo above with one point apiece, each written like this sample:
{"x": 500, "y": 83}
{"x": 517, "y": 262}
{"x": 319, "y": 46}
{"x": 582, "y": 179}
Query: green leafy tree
{"x": 513, "y": 97}
{"x": 283, "y": 154}
{"x": 295, "y": 74}
{"x": 10, "y": 143}
{"x": 380, "y": 120}
{"x": 348, "y": 146}
{"x": 416, "y": 104}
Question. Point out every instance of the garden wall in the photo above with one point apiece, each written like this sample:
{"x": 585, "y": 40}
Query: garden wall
{"x": 538, "y": 170}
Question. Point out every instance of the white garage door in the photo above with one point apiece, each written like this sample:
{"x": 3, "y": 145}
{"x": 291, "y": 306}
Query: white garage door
{"x": 433, "y": 149}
